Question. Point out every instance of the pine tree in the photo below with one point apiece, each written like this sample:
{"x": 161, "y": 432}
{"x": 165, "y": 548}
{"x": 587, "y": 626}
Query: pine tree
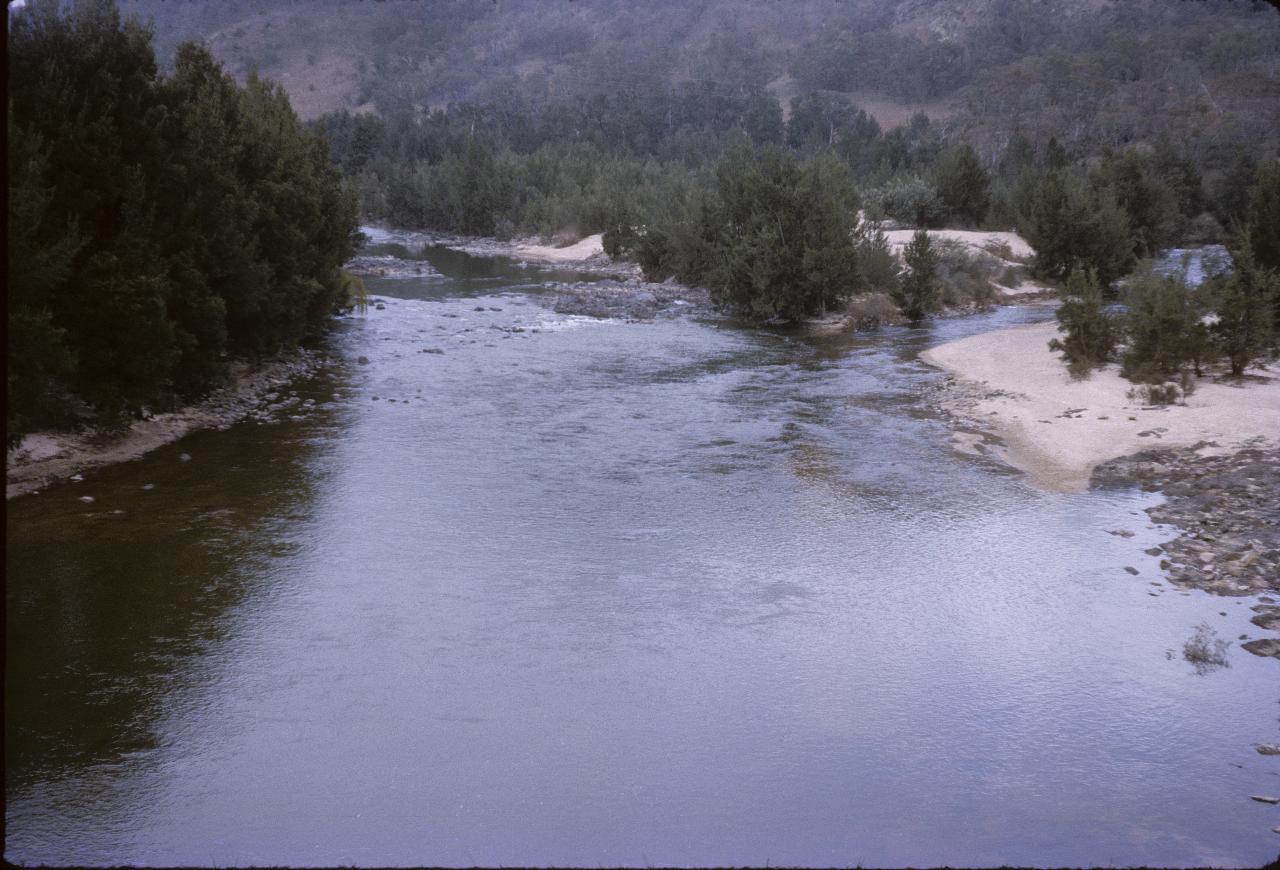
{"x": 918, "y": 292}
{"x": 1264, "y": 216}
{"x": 1243, "y": 300}
{"x": 1090, "y": 333}
{"x": 1163, "y": 325}
{"x": 963, "y": 184}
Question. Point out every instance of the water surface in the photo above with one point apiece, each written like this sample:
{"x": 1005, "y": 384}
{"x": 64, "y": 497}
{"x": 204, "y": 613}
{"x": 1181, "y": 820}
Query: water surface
{"x": 602, "y": 593}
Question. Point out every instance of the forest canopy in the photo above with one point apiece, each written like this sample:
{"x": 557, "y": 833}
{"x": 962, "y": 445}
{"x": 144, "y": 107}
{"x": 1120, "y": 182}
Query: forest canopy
{"x": 159, "y": 225}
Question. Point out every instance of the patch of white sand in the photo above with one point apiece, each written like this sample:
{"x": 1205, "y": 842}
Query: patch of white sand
{"x": 976, "y": 239}
{"x": 1025, "y": 288}
{"x": 591, "y": 246}
{"x": 1057, "y": 429}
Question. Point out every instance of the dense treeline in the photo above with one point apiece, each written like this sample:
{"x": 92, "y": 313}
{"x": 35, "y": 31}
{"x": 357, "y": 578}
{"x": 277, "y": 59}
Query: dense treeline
{"x": 157, "y": 225}
{"x": 1169, "y": 330}
{"x": 637, "y": 165}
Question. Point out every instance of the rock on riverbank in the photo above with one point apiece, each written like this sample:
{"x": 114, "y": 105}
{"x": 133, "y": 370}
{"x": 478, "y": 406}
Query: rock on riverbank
{"x": 1227, "y": 509}
{"x": 47, "y": 456}
{"x": 630, "y": 300}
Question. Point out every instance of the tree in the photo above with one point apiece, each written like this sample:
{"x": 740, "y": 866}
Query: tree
{"x": 1231, "y": 189}
{"x": 1264, "y": 216}
{"x": 157, "y": 222}
{"x": 910, "y": 200}
{"x": 40, "y": 257}
{"x": 962, "y": 184}
{"x": 918, "y": 291}
{"x": 830, "y": 262}
{"x": 1163, "y": 324}
{"x": 877, "y": 266}
{"x": 1150, "y": 203}
{"x": 1071, "y": 224}
{"x": 1242, "y": 300}
{"x": 1090, "y": 333}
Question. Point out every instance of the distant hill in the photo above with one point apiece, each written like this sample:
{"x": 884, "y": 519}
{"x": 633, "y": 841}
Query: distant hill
{"x": 1092, "y": 72}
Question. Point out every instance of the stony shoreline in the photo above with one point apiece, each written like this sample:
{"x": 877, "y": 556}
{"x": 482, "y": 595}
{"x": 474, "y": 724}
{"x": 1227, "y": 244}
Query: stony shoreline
{"x": 1225, "y": 508}
{"x": 630, "y": 299}
{"x": 44, "y": 457}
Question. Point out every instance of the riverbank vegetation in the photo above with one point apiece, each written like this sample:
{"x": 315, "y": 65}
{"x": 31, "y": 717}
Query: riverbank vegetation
{"x": 686, "y": 184}
{"x": 1168, "y": 329}
{"x": 188, "y": 218}
{"x": 159, "y": 225}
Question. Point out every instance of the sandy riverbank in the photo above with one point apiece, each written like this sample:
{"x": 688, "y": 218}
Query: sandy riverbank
{"x": 43, "y": 457}
{"x": 588, "y": 248}
{"x": 979, "y": 240}
{"x": 1057, "y": 429}
{"x": 987, "y": 244}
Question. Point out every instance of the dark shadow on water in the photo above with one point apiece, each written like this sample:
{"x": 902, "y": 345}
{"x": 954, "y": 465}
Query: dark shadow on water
{"x": 112, "y": 604}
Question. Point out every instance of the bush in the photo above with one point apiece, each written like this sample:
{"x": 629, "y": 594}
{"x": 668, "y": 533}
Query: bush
{"x": 1091, "y": 334}
{"x": 1012, "y": 276}
{"x": 965, "y": 275}
{"x": 872, "y": 310}
{"x": 1206, "y": 650}
{"x": 877, "y": 264}
{"x": 1159, "y": 394}
{"x": 912, "y": 201}
{"x": 1245, "y": 301}
{"x": 918, "y": 292}
{"x": 1164, "y": 327}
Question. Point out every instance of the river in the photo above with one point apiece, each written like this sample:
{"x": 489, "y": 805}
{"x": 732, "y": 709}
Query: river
{"x": 601, "y": 593}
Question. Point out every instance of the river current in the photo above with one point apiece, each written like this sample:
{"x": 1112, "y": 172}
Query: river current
{"x": 586, "y": 592}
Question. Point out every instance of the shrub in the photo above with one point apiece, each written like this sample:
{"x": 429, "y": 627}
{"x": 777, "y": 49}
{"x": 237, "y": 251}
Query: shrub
{"x": 877, "y": 264}
{"x": 1090, "y": 332}
{"x": 965, "y": 275}
{"x": 1159, "y": 394}
{"x": 872, "y": 310}
{"x": 1205, "y": 650}
{"x": 913, "y": 201}
{"x": 1163, "y": 325}
{"x": 998, "y": 249}
{"x": 918, "y": 292}
{"x": 1243, "y": 300}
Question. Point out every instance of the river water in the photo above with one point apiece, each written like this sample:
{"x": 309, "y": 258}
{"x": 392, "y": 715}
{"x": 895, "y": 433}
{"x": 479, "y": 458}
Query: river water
{"x": 604, "y": 593}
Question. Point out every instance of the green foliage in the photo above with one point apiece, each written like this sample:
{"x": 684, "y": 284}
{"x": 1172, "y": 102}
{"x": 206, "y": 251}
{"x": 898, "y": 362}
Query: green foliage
{"x": 1150, "y": 203}
{"x": 1243, "y": 301}
{"x": 158, "y": 223}
{"x": 965, "y": 276}
{"x": 1230, "y": 187}
{"x": 962, "y": 184}
{"x": 877, "y": 263}
{"x": 1090, "y": 333}
{"x": 1264, "y": 216}
{"x": 40, "y": 254}
{"x": 1072, "y": 224}
{"x": 1164, "y": 328}
{"x": 771, "y": 239}
{"x": 908, "y": 200}
{"x": 919, "y": 291}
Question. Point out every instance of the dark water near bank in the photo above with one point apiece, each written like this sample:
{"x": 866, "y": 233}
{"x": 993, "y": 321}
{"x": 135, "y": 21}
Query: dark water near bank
{"x": 607, "y": 593}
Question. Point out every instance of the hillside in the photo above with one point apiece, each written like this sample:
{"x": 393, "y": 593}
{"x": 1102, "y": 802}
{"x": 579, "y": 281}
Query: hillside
{"x": 1091, "y": 72}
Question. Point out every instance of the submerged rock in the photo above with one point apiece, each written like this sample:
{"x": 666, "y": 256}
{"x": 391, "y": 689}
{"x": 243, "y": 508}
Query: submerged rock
{"x": 631, "y": 300}
{"x": 1267, "y": 646}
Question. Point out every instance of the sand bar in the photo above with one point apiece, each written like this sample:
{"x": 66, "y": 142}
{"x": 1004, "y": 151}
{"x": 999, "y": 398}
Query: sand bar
{"x": 1057, "y": 429}
{"x": 591, "y": 246}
